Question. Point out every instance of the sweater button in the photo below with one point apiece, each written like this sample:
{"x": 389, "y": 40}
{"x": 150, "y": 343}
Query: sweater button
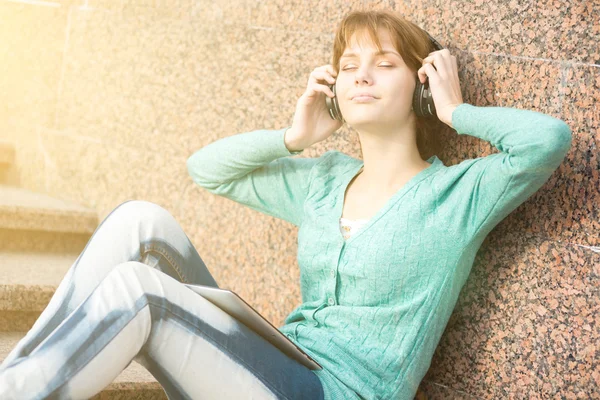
{"x": 331, "y": 301}
{"x": 332, "y": 273}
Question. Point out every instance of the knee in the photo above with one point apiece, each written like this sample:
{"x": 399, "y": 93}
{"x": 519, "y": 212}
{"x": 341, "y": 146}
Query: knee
{"x": 131, "y": 274}
{"x": 145, "y": 210}
{"x": 130, "y": 206}
{"x": 134, "y": 285}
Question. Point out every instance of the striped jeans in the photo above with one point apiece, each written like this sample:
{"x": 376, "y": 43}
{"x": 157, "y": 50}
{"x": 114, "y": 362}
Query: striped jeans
{"x": 124, "y": 299}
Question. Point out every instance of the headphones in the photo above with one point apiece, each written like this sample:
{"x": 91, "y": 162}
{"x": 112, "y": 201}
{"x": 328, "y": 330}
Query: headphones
{"x": 422, "y": 101}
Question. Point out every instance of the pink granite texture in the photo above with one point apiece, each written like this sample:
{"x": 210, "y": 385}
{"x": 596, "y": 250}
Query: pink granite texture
{"x": 527, "y": 322}
{"x": 127, "y": 90}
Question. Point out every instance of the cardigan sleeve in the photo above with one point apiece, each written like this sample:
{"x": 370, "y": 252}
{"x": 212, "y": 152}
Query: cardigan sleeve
{"x": 255, "y": 169}
{"x": 532, "y": 146}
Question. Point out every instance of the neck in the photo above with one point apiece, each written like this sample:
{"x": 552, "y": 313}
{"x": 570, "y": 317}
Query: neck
{"x": 389, "y": 163}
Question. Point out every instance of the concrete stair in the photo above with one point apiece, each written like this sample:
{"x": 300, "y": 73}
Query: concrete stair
{"x": 40, "y": 238}
{"x": 28, "y": 282}
{"x": 7, "y": 154}
{"x": 8, "y": 172}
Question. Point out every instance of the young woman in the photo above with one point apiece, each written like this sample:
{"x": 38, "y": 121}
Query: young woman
{"x": 375, "y": 298}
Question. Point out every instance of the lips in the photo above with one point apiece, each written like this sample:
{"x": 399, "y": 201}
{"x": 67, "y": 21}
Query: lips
{"x": 363, "y": 94}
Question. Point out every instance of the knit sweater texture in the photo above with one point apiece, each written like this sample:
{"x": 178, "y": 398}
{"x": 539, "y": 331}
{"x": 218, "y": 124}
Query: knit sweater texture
{"x": 375, "y": 306}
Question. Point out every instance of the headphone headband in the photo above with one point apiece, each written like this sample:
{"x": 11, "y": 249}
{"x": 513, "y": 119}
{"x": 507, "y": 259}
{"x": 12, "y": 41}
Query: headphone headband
{"x": 436, "y": 44}
{"x": 422, "y": 103}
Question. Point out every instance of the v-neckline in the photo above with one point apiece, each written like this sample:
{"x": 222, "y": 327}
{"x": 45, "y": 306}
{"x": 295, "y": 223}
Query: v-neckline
{"x": 435, "y": 162}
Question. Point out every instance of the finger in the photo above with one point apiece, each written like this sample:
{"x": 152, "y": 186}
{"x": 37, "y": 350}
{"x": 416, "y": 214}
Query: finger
{"x": 445, "y": 52}
{"x": 422, "y": 72}
{"x": 323, "y": 76}
{"x": 318, "y": 87}
{"x": 443, "y": 55}
{"x": 331, "y": 69}
{"x": 431, "y": 60}
{"x": 440, "y": 61}
{"x": 427, "y": 71}
{"x": 454, "y": 66}
{"x": 328, "y": 67}
{"x": 446, "y": 56}
{"x": 430, "y": 57}
{"x": 432, "y": 73}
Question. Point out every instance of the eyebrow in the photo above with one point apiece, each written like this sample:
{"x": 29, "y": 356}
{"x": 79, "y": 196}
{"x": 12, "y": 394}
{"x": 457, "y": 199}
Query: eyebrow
{"x": 378, "y": 53}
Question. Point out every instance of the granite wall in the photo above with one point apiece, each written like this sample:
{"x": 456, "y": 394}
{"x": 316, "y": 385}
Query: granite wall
{"x": 105, "y": 101}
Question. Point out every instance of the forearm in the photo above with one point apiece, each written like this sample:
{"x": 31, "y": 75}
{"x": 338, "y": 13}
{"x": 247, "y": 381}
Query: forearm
{"x": 232, "y": 157}
{"x": 532, "y": 139}
{"x": 290, "y": 142}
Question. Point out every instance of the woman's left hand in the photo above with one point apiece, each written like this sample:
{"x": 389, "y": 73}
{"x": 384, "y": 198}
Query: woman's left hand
{"x": 441, "y": 70}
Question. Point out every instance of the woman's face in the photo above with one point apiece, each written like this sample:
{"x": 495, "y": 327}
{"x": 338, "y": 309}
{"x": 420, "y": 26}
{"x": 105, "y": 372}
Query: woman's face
{"x": 384, "y": 76}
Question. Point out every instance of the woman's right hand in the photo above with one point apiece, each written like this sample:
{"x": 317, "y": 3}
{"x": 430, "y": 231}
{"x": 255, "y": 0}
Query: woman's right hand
{"x": 312, "y": 122}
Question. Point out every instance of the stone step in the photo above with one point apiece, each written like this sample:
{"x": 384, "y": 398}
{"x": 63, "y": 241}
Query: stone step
{"x": 134, "y": 382}
{"x": 18, "y": 240}
{"x": 7, "y": 154}
{"x": 21, "y": 209}
{"x": 7, "y": 162}
{"x": 27, "y": 282}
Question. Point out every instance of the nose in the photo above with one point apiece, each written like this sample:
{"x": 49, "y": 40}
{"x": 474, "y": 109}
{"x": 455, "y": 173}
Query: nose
{"x": 362, "y": 76}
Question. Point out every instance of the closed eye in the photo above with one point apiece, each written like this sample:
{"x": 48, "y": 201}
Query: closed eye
{"x": 385, "y": 66}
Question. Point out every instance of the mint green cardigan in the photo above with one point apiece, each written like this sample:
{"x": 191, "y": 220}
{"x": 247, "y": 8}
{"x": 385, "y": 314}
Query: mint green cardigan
{"x": 375, "y": 306}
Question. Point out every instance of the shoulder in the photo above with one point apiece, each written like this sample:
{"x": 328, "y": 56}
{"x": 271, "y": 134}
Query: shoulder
{"x": 463, "y": 176}
{"x": 330, "y": 169}
{"x": 471, "y": 165}
{"x": 334, "y": 161}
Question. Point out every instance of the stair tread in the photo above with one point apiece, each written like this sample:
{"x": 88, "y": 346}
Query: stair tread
{"x": 36, "y": 269}
{"x": 28, "y": 280}
{"x": 134, "y": 374}
{"x": 23, "y": 209}
{"x": 7, "y": 152}
{"x": 11, "y": 196}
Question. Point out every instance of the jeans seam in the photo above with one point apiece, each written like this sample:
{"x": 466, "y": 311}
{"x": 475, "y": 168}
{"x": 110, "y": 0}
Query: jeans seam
{"x": 165, "y": 254}
{"x": 217, "y": 344}
{"x": 80, "y": 367}
{"x": 149, "y": 302}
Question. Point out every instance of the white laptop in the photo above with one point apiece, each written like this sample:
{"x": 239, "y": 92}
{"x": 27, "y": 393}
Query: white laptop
{"x": 234, "y": 305}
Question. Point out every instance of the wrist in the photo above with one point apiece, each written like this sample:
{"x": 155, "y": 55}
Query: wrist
{"x": 290, "y": 143}
{"x": 447, "y": 115}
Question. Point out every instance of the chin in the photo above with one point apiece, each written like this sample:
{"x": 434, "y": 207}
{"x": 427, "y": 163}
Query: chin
{"x": 366, "y": 118}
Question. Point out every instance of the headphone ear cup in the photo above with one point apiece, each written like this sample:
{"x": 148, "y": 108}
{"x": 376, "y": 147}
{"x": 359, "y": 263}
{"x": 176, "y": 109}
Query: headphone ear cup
{"x": 423, "y": 104}
{"x": 333, "y": 106}
{"x": 416, "y": 101}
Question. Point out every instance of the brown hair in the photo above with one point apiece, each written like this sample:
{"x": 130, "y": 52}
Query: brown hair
{"x": 410, "y": 41}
